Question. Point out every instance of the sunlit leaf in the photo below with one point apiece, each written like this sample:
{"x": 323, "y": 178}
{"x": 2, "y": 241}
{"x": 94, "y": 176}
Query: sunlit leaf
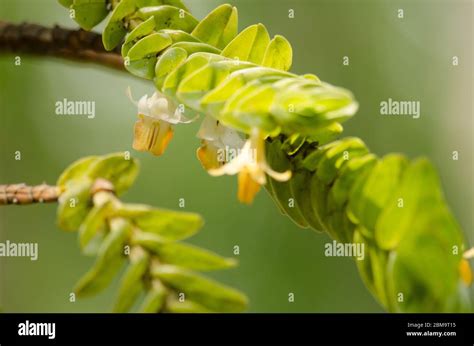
{"x": 74, "y": 204}
{"x": 117, "y": 168}
{"x": 168, "y": 17}
{"x": 219, "y": 27}
{"x": 205, "y": 292}
{"x": 168, "y": 224}
{"x": 249, "y": 45}
{"x": 76, "y": 170}
{"x": 109, "y": 260}
{"x": 89, "y": 13}
{"x": 132, "y": 284}
{"x": 278, "y": 54}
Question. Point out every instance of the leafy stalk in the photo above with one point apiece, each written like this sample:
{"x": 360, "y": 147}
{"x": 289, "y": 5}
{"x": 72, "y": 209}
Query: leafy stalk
{"x": 159, "y": 266}
{"x": 395, "y": 207}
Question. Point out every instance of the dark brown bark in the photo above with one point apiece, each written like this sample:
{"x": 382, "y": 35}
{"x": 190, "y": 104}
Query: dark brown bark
{"x": 79, "y": 45}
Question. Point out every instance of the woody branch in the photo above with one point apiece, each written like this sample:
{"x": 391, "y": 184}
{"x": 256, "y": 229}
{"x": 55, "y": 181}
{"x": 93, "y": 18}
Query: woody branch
{"x": 78, "y": 45}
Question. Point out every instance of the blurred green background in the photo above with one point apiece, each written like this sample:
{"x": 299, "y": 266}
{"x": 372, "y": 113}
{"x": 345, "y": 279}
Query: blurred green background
{"x": 405, "y": 59}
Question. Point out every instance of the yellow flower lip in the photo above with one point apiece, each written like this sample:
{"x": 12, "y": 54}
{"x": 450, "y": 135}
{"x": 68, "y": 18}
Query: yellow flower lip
{"x": 465, "y": 272}
{"x": 208, "y": 157}
{"x": 153, "y": 130}
{"x": 151, "y": 135}
{"x": 248, "y": 188}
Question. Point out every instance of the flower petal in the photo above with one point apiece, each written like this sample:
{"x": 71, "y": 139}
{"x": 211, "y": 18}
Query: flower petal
{"x": 207, "y": 155}
{"x": 279, "y": 176}
{"x": 248, "y": 188}
{"x": 208, "y": 129}
{"x": 465, "y": 272}
{"x": 128, "y": 92}
{"x": 143, "y": 131}
{"x": 230, "y": 168}
{"x": 160, "y": 143}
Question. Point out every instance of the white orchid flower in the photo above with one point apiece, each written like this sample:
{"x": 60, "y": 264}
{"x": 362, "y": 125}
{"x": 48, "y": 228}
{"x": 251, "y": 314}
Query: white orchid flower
{"x": 217, "y": 141}
{"x": 153, "y": 130}
{"x": 252, "y": 167}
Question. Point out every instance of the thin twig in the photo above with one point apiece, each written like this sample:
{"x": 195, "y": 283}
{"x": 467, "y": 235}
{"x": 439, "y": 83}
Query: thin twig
{"x": 25, "y": 194}
{"x": 78, "y": 45}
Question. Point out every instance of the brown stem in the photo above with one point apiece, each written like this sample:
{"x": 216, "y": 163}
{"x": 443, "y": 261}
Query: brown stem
{"x": 25, "y": 194}
{"x": 79, "y": 45}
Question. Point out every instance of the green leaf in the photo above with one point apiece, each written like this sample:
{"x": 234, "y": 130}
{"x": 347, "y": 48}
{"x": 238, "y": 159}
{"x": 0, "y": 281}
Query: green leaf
{"x": 379, "y": 270}
{"x": 66, "y": 3}
{"x": 308, "y": 106}
{"x": 74, "y": 204}
{"x": 248, "y": 109}
{"x": 204, "y": 79}
{"x": 278, "y": 54}
{"x": 335, "y": 157}
{"x": 89, "y": 13}
{"x": 179, "y": 36}
{"x": 117, "y": 169}
{"x": 176, "y": 3}
{"x": 185, "y": 307}
{"x": 168, "y": 17}
{"x": 326, "y": 134}
{"x": 76, "y": 171}
{"x": 168, "y": 62}
{"x": 249, "y": 45}
{"x": 195, "y": 47}
{"x": 425, "y": 268}
{"x": 214, "y": 101}
{"x": 370, "y": 195}
{"x": 143, "y": 68}
{"x": 148, "y": 240}
{"x": 94, "y": 223}
{"x": 205, "y": 292}
{"x": 155, "y": 298}
{"x": 147, "y": 3}
{"x": 187, "y": 256}
{"x": 131, "y": 284}
{"x": 355, "y": 169}
{"x": 418, "y": 190}
{"x": 319, "y": 195}
{"x": 149, "y": 45}
{"x": 140, "y": 31}
{"x": 292, "y": 144}
{"x": 282, "y": 190}
{"x": 109, "y": 260}
{"x": 168, "y": 224}
{"x": 219, "y": 27}
{"x": 311, "y": 161}
{"x": 193, "y": 63}
{"x": 302, "y": 195}
{"x": 365, "y": 266}
{"x": 115, "y": 30}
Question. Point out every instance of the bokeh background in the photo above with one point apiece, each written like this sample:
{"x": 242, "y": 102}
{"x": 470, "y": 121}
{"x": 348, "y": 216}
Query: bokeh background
{"x": 404, "y": 59}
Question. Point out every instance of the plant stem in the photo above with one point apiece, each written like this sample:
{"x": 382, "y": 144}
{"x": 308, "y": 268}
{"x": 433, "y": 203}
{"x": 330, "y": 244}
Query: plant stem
{"x": 78, "y": 45}
{"x": 26, "y": 194}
